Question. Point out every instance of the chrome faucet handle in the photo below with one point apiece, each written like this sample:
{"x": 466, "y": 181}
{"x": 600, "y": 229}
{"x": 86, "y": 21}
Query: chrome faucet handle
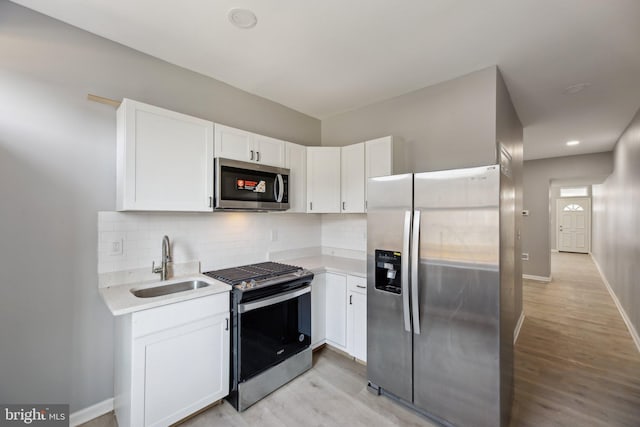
{"x": 155, "y": 269}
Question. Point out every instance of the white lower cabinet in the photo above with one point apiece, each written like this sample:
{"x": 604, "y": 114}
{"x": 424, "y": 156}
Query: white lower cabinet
{"x": 357, "y": 317}
{"x": 336, "y": 313}
{"x": 339, "y": 313}
{"x": 318, "y": 310}
{"x": 171, "y": 361}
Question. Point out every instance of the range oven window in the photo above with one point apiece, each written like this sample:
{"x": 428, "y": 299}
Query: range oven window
{"x": 272, "y": 332}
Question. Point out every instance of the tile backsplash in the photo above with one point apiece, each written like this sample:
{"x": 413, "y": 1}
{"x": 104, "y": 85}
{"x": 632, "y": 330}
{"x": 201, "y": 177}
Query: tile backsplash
{"x": 344, "y": 235}
{"x": 217, "y": 240}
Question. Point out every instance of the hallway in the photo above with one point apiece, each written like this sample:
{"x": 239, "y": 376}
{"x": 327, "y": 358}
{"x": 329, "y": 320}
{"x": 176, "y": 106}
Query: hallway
{"x": 576, "y": 363}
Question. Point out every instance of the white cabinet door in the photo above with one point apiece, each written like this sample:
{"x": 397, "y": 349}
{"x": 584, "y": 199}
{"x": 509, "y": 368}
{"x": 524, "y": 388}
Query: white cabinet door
{"x": 171, "y": 361}
{"x": 357, "y": 317}
{"x": 318, "y": 308}
{"x": 352, "y": 178}
{"x": 238, "y": 144}
{"x": 164, "y": 160}
{"x": 336, "y": 312}
{"x": 186, "y": 369}
{"x": 296, "y": 162}
{"x": 381, "y": 158}
{"x": 235, "y": 144}
{"x": 269, "y": 151}
{"x": 323, "y": 179}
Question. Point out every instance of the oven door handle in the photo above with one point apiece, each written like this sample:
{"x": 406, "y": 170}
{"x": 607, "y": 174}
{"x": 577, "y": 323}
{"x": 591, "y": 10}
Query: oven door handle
{"x": 244, "y": 308}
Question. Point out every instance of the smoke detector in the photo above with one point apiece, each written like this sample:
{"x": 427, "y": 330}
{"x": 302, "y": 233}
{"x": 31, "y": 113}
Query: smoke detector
{"x": 242, "y": 18}
{"x": 578, "y": 87}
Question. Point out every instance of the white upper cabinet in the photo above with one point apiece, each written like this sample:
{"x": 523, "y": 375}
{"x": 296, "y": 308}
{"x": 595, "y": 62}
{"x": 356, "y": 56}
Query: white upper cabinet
{"x": 296, "y": 162}
{"x": 164, "y": 160}
{"x": 379, "y": 157}
{"x": 269, "y": 151}
{"x": 352, "y": 178}
{"x": 323, "y": 179}
{"x": 383, "y": 157}
{"x": 237, "y": 144}
{"x": 232, "y": 143}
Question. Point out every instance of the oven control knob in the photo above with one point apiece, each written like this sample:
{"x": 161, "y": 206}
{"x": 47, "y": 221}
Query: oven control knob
{"x": 243, "y": 285}
{"x": 252, "y": 284}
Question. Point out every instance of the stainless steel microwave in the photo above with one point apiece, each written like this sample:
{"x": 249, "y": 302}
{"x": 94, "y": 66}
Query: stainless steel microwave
{"x": 249, "y": 186}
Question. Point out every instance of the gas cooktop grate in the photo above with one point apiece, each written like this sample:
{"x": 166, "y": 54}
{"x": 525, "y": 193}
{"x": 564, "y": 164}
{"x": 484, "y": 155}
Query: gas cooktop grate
{"x": 260, "y": 271}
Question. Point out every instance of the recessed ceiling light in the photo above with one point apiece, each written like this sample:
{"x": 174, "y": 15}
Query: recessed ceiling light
{"x": 574, "y": 142}
{"x": 578, "y": 87}
{"x": 242, "y": 18}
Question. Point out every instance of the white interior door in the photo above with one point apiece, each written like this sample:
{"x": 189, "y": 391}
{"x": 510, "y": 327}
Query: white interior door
{"x": 574, "y": 224}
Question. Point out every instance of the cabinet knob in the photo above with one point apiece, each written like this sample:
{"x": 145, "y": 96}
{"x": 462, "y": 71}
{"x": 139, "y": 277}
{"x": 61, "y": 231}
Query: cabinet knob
{"x": 257, "y": 155}
{"x": 251, "y": 158}
{"x": 343, "y": 206}
{"x": 351, "y": 299}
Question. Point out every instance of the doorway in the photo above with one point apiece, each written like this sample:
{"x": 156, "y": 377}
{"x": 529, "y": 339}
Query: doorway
{"x": 574, "y": 224}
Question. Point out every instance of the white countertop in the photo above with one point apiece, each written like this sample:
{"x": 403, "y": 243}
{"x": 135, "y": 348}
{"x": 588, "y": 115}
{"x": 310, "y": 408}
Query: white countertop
{"x": 121, "y": 301}
{"x": 333, "y": 264}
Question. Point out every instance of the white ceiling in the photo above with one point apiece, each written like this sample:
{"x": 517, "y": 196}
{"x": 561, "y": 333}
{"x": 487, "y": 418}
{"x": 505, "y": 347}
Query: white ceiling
{"x": 329, "y": 56}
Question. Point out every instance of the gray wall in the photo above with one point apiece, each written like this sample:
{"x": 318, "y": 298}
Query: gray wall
{"x": 616, "y": 222}
{"x": 538, "y": 175}
{"x": 57, "y": 169}
{"x": 448, "y": 125}
{"x": 509, "y": 132}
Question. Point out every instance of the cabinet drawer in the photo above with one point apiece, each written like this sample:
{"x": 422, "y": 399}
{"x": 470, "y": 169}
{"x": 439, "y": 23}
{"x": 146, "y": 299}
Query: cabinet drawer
{"x": 171, "y": 315}
{"x": 357, "y": 284}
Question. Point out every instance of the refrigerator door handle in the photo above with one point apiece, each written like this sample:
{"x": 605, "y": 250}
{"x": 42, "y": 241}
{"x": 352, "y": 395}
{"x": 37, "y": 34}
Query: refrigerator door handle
{"x": 415, "y": 262}
{"x": 404, "y": 265}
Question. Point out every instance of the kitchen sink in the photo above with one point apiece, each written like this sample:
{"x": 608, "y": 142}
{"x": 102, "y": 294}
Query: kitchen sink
{"x": 169, "y": 289}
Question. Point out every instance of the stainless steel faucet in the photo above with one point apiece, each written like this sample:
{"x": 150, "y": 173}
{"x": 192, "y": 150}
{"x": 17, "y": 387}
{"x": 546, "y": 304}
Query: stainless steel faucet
{"x": 166, "y": 258}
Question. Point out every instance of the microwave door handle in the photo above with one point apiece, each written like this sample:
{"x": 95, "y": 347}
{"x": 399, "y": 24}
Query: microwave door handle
{"x": 275, "y": 188}
{"x": 404, "y": 271}
{"x": 280, "y": 183}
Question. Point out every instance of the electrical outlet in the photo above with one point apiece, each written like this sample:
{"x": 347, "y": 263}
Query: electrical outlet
{"x": 525, "y": 256}
{"x": 116, "y": 247}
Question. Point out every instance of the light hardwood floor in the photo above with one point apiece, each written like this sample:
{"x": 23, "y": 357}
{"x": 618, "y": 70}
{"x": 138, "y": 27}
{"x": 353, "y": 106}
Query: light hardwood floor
{"x": 575, "y": 361}
{"x": 576, "y": 365}
{"x": 332, "y": 393}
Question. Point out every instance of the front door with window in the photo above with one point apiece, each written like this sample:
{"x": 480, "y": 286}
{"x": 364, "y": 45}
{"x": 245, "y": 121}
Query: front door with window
{"x": 574, "y": 225}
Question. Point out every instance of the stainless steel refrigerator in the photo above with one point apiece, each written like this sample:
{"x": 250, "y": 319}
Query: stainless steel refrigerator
{"x": 440, "y": 300}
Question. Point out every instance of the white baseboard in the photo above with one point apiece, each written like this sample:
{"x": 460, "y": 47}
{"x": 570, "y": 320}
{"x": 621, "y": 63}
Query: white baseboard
{"x": 93, "y": 411}
{"x": 546, "y": 279}
{"x": 516, "y": 331}
{"x": 627, "y": 321}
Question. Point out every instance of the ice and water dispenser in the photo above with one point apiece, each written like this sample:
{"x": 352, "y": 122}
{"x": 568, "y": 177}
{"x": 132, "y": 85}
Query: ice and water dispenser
{"x": 388, "y": 273}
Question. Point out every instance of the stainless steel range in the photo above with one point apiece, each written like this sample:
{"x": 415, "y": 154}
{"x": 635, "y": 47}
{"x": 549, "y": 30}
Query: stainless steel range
{"x": 271, "y": 328}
